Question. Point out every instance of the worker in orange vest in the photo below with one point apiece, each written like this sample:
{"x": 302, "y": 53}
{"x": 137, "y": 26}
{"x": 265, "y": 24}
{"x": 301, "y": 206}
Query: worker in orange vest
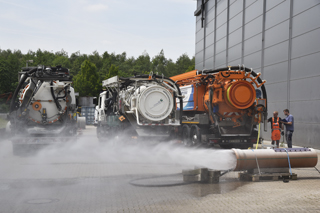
{"x": 276, "y": 128}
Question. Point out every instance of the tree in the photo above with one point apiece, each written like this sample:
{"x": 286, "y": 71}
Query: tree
{"x": 113, "y": 71}
{"x": 87, "y": 82}
{"x": 5, "y": 76}
{"x": 159, "y": 62}
{"x": 183, "y": 64}
{"x": 61, "y": 60}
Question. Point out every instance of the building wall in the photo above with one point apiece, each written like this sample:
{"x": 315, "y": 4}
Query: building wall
{"x": 280, "y": 39}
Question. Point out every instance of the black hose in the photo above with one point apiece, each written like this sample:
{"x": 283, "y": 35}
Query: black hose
{"x": 65, "y": 93}
{"x": 208, "y": 76}
{"x": 15, "y": 94}
{"x": 54, "y": 98}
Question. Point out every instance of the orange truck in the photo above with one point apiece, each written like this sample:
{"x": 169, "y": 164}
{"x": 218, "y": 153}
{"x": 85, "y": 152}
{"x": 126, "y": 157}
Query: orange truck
{"x": 223, "y": 106}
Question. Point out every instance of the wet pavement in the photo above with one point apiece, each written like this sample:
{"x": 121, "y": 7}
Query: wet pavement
{"x": 86, "y": 176}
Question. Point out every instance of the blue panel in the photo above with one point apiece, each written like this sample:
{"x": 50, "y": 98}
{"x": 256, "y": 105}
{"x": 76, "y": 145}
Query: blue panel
{"x": 188, "y": 102}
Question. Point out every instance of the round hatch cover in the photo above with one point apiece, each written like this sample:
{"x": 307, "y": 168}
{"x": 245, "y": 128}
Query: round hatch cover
{"x": 155, "y": 103}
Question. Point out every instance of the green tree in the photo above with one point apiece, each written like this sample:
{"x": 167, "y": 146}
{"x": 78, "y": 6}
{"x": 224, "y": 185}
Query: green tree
{"x": 183, "y": 63}
{"x": 5, "y": 76}
{"x": 113, "y": 71}
{"x": 61, "y": 60}
{"x": 159, "y": 63}
{"x": 87, "y": 82}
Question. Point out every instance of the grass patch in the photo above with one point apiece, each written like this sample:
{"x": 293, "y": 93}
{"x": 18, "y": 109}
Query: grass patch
{"x": 3, "y": 123}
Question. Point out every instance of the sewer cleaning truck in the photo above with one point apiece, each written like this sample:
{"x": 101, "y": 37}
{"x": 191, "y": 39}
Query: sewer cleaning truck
{"x": 142, "y": 106}
{"x": 43, "y": 108}
{"x": 223, "y": 106}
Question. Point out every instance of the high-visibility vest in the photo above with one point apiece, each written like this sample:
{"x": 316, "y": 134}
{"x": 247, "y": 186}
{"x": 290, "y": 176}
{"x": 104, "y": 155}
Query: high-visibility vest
{"x": 276, "y": 130}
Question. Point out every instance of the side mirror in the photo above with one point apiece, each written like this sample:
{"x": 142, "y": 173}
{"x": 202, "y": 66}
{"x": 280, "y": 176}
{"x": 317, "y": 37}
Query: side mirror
{"x": 95, "y": 101}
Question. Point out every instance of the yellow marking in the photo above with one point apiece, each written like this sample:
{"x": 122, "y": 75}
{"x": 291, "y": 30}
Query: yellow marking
{"x": 190, "y": 122}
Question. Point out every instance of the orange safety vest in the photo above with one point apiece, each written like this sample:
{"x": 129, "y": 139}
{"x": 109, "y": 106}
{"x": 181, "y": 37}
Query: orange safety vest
{"x": 276, "y": 130}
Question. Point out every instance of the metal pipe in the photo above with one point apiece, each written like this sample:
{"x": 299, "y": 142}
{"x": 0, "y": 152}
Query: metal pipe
{"x": 275, "y": 158}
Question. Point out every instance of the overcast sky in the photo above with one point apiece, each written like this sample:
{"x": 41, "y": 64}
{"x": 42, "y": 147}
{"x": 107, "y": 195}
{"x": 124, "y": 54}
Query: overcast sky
{"x": 133, "y": 26}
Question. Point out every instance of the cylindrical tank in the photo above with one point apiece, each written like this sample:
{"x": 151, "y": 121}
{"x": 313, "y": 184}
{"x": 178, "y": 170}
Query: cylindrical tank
{"x": 155, "y": 103}
{"x": 241, "y": 94}
{"x": 275, "y": 158}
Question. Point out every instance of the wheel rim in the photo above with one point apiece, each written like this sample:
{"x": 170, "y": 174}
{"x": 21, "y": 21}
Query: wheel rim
{"x": 194, "y": 137}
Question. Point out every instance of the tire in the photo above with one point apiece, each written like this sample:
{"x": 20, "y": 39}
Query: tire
{"x": 186, "y": 135}
{"x": 226, "y": 146}
{"x": 195, "y": 136}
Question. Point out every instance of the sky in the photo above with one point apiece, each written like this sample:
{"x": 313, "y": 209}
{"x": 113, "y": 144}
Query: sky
{"x": 116, "y": 26}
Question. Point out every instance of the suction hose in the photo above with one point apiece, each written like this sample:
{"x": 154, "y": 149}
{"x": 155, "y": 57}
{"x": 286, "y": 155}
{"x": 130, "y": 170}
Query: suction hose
{"x": 275, "y": 158}
{"x": 15, "y": 94}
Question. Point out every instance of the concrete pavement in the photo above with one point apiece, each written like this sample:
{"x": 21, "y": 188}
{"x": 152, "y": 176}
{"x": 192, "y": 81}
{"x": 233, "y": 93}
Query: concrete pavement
{"x": 85, "y": 176}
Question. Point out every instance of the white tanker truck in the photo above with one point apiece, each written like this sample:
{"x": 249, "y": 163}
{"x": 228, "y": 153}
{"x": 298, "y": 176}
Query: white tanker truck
{"x": 143, "y": 106}
{"x": 43, "y": 108}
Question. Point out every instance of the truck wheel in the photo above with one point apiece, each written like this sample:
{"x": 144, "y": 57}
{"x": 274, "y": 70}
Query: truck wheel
{"x": 195, "y": 135}
{"x": 226, "y": 146}
{"x": 186, "y": 135}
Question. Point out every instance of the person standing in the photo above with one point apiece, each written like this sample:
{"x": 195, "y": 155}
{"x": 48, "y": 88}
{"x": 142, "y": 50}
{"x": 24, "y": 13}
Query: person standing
{"x": 289, "y": 123}
{"x": 276, "y": 127}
